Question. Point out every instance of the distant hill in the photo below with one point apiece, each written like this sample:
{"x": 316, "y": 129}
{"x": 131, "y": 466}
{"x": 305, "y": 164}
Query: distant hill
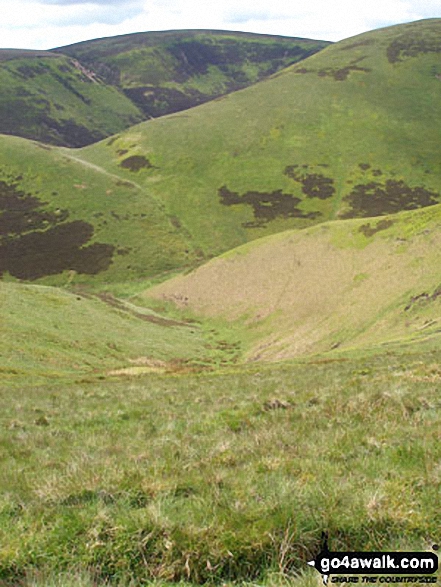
{"x": 54, "y": 99}
{"x": 337, "y": 286}
{"x": 352, "y": 131}
{"x": 165, "y": 72}
{"x": 77, "y": 95}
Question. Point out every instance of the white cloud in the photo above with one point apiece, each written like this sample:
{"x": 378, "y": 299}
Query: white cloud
{"x": 50, "y": 23}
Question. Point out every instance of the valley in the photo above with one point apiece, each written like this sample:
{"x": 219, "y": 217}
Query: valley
{"x": 220, "y": 326}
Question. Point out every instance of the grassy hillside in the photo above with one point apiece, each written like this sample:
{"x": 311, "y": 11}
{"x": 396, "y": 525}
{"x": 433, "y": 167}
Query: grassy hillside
{"x": 339, "y": 285}
{"x": 353, "y": 131}
{"x": 164, "y": 72}
{"x": 52, "y": 334}
{"x": 219, "y": 478}
{"x": 80, "y": 94}
{"x": 62, "y": 217}
{"x": 54, "y": 99}
{"x": 326, "y": 140}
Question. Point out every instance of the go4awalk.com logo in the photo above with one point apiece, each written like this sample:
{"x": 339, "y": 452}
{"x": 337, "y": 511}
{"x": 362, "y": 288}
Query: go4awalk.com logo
{"x": 394, "y": 567}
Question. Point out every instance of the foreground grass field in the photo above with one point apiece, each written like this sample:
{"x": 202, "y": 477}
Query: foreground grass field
{"x": 229, "y": 476}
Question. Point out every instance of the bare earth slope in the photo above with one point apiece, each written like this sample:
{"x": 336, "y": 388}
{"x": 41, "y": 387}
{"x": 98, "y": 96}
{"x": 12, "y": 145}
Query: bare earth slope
{"x": 342, "y": 284}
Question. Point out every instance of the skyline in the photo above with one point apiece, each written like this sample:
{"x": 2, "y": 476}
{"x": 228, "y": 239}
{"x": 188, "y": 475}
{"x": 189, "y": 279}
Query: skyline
{"x": 48, "y": 24}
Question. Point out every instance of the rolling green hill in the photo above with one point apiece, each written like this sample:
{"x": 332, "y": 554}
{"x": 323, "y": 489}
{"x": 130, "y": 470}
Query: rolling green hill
{"x": 54, "y": 99}
{"x": 77, "y": 95}
{"x": 143, "y": 439}
{"x": 353, "y": 131}
{"x": 164, "y": 72}
{"x": 69, "y": 221}
{"x": 340, "y": 285}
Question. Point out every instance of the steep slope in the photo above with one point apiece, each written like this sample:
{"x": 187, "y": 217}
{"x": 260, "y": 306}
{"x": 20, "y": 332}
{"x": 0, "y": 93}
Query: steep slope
{"x": 69, "y": 221}
{"x": 77, "y": 95}
{"x": 54, "y": 99}
{"x": 352, "y": 131}
{"x": 51, "y": 333}
{"x": 164, "y": 72}
{"x": 339, "y": 285}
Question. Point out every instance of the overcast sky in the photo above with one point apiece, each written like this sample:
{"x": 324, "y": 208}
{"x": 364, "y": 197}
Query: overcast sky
{"x": 46, "y": 24}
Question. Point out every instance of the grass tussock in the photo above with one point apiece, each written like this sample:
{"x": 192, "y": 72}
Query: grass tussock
{"x": 219, "y": 478}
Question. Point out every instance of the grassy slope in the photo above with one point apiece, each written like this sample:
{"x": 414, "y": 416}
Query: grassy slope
{"x": 52, "y": 98}
{"x": 342, "y": 125}
{"x": 220, "y": 477}
{"x": 121, "y": 215}
{"x": 56, "y": 99}
{"x": 342, "y": 284}
{"x": 48, "y": 333}
{"x": 153, "y": 194}
{"x": 169, "y": 71}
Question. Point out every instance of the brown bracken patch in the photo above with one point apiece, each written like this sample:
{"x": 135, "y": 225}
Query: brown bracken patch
{"x": 266, "y": 206}
{"x": 35, "y": 242}
{"x": 136, "y": 163}
{"x": 369, "y": 230}
{"x": 314, "y": 185}
{"x": 375, "y": 199}
{"x": 412, "y": 45}
{"x": 423, "y": 298}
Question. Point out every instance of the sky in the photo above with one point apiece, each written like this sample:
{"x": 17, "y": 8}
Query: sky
{"x": 47, "y": 24}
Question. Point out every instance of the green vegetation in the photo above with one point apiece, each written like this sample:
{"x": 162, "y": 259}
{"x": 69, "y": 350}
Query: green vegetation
{"x": 171, "y": 71}
{"x": 346, "y": 133}
{"x": 83, "y": 93}
{"x": 293, "y": 151}
{"x": 71, "y": 222}
{"x": 220, "y": 477}
{"x": 343, "y": 284}
{"x": 220, "y": 329}
{"x": 54, "y": 99}
{"x": 53, "y": 334}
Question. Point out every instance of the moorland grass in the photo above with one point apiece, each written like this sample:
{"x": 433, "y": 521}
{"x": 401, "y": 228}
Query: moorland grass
{"x": 164, "y": 72}
{"x": 359, "y": 144}
{"x": 342, "y": 284}
{"x": 220, "y": 477}
{"x": 55, "y": 100}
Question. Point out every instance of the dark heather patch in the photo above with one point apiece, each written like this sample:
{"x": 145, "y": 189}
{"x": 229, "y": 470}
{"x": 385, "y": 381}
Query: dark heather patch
{"x": 67, "y": 132}
{"x": 358, "y": 44}
{"x": 28, "y": 71}
{"x": 342, "y": 74}
{"x": 125, "y": 184}
{"x": 377, "y": 172}
{"x": 123, "y": 251}
{"x": 156, "y": 101}
{"x": 35, "y": 242}
{"x": 364, "y": 166}
{"x": 136, "y": 163}
{"x": 375, "y": 199}
{"x": 266, "y": 206}
{"x": 314, "y": 185}
{"x": 303, "y": 70}
{"x": 369, "y": 230}
{"x": 112, "y": 140}
{"x": 411, "y": 45}
{"x": 423, "y": 298}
